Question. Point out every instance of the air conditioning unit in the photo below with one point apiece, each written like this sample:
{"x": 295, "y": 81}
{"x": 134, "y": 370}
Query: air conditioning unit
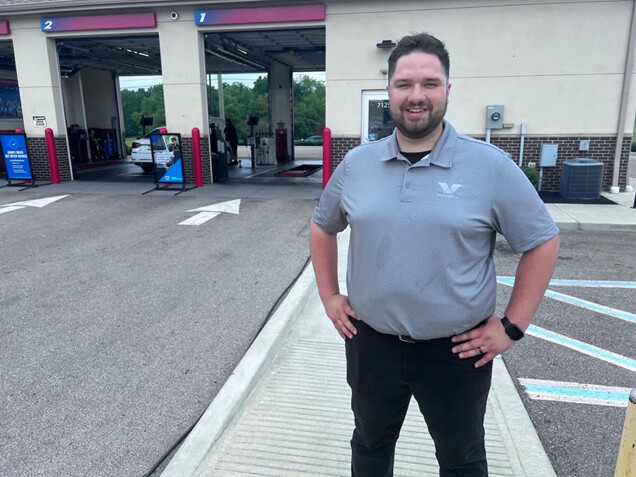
{"x": 581, "y": 178}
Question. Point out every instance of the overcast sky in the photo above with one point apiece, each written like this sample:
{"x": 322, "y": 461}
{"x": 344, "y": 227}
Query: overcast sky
{"x": 136, "y": 82}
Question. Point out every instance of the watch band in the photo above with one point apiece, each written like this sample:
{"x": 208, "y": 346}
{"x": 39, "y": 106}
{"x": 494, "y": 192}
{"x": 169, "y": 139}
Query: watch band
{"x": 512, "y": 330}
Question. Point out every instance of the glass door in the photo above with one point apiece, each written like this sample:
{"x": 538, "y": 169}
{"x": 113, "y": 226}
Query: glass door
{"x": 376, "y": 120}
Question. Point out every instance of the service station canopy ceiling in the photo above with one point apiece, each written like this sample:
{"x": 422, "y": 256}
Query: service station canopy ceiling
{"x": 301, "y": 49}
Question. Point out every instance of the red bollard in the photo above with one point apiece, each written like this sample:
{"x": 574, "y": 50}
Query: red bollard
{"x": 196, "y": 151}
{"x": 163, "y": 131}
{"x": 326, "y": 156}
{"x": 50, "y": 147}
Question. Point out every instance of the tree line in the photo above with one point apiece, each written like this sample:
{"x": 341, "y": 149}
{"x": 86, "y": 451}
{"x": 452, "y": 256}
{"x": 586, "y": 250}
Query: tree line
{"x": 240, "y": 102}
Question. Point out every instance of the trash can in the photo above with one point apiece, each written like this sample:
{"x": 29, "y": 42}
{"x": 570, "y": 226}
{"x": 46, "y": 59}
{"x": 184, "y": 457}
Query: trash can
{"x": 581, "y": 178}
{"x": 219, "y": 167}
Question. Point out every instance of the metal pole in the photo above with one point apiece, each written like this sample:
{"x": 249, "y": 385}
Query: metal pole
{"x": 221, "y": 103}
{"x": 50, "y": 146}
{"x": 326, "y": 156}
{"x": 627, "y": 80}
{"x": 626, "y": 461}
{"x": 196, "y": 152}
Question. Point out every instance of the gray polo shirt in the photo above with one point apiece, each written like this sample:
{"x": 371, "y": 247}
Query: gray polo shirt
{"x": 423, "y": 235}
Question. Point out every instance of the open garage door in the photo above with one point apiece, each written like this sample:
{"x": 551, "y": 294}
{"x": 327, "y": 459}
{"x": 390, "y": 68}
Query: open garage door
{"x": 90, "y": 68}
{"x": 268, "y": 149}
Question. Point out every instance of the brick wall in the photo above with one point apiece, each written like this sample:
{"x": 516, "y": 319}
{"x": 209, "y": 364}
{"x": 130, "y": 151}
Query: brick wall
{"x": 339, "y": 147}
{"x": 39, "y": 156}
{"x": 601, "y": 149}
{"x": 187, "y": 156}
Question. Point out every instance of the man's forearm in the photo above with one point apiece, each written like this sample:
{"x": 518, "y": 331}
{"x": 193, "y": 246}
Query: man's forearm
{"x": 324, "y": 257}
{"x": 532, "y": 278}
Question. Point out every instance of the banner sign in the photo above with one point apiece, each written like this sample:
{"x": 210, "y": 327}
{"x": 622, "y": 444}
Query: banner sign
{"x": 99, "y": 22}
{"x": 10, "y": 107}
{"x": 260, "y": 15}
{"x": 16, "y": 157}
{"x": 166, "y": 155}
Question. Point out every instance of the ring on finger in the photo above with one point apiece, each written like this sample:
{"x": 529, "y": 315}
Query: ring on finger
{"x": 479, "y": 349}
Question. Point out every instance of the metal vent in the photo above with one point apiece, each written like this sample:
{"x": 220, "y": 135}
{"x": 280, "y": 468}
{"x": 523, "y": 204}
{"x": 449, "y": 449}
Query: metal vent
{"x": 581, "y": 178}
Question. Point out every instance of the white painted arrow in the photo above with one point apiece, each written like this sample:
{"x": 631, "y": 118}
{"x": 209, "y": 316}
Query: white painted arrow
{"x": 231, "y": 207}
{"x": 39, "y": 203}
{"x": 9, "y": 208}
{"x": 210, "y": 211}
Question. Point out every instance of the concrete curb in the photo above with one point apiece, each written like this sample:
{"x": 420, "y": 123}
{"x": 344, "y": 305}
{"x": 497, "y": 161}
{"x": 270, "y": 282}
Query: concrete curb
{"x": 526, "y": 452}
{"x": 241, "y": 382}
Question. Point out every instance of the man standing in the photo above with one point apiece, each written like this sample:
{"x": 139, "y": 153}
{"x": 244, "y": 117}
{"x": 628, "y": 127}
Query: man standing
{"x": 424, "y": 206}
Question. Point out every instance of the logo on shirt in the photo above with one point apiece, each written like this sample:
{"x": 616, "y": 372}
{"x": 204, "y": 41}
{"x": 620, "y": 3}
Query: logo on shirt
{"x": 448, "y": 191}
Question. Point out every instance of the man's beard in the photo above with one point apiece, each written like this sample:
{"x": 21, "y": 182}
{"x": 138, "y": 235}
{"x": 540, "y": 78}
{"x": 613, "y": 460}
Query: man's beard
{"x": 418, "y": 129}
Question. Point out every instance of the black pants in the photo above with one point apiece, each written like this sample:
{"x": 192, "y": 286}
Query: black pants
{"x": 384, "y": 373}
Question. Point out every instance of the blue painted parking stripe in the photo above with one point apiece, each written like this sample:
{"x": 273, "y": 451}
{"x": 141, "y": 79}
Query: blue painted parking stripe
{"x": 577, "y": 283}
{"x": 606, "y": 310}
{"x": 582, "y": 347}
{"x": 575, "y": 392}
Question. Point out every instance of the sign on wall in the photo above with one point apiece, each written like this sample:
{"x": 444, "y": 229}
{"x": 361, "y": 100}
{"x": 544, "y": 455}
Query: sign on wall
{"x": 233, "y": 16}
{"x": 16, "y": 157}
{"x": 99, "y": 22}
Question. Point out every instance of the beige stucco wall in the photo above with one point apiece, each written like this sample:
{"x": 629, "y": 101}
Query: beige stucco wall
{"x": 556, "y": 66}
{"x": 38, "y": 74}
{"x": 183, "y": 69}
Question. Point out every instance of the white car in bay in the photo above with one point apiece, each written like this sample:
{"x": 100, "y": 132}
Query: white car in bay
{"x": 142, "y": 156}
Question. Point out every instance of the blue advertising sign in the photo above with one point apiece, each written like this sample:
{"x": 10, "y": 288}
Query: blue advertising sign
{"x": 16, "y": 156}
{"x": 166, "y": 155}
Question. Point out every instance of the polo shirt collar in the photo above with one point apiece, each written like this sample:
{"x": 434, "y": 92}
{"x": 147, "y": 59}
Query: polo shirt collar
{"x": 441, "y": 155}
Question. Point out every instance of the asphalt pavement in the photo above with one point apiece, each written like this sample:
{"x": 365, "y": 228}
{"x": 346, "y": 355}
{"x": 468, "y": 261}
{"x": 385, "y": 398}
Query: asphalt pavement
{"x": 120, "y": 327}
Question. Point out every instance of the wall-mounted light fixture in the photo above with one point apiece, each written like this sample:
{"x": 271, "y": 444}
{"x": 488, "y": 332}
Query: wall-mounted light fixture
{"x": 386, "y": 44}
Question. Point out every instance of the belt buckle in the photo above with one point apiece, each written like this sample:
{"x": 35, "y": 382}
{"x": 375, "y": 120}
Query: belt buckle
{"x": 406, "y": 339}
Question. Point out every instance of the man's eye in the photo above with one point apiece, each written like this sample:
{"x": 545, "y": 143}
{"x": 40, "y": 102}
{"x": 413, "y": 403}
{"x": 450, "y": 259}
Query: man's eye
{"x": 430, "y": 85}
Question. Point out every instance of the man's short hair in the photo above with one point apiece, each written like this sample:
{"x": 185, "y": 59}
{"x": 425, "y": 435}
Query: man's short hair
{"x": 423, "y": 42}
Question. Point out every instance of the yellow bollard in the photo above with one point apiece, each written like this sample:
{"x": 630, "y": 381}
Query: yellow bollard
{"x": 626, "y": 462}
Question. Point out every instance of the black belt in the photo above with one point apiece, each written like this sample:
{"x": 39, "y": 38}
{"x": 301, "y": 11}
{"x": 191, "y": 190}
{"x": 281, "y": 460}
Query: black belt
{"x": 408, "y": 339}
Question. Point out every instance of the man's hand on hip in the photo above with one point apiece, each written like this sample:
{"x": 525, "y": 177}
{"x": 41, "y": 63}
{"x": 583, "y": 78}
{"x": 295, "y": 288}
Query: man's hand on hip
{"x": 340, "y": 313}
{"x": 488, "y": 340}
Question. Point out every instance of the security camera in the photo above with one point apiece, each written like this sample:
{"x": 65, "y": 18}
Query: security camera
{"x": 174, "y": 16}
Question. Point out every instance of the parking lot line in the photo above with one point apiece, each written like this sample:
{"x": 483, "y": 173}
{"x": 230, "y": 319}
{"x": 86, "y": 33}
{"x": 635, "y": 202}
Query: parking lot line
{"x": 562, "y": 391}
{"x": 580, "y": 346}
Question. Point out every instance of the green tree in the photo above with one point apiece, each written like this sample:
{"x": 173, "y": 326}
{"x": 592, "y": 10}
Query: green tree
{"x": 309, "y": 107}
{"x": 240, "y": 102}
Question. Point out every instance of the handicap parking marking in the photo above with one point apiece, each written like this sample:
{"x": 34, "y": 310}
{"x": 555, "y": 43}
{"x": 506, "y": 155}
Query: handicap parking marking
{"x": 562, "y": 391}
{"x": 576, "y": 283}
{"x": 588, "y": 305}
{"x": 581, "y": 347}
{"x": 606, "y": 310}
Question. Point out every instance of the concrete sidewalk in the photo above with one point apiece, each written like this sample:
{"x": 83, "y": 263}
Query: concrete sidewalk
{"x": 620, "y": 217}
{"x": 285, "y": 410}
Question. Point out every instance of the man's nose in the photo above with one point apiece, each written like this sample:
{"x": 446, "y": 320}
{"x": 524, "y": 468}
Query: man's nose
{"x": 417, "y": 93}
